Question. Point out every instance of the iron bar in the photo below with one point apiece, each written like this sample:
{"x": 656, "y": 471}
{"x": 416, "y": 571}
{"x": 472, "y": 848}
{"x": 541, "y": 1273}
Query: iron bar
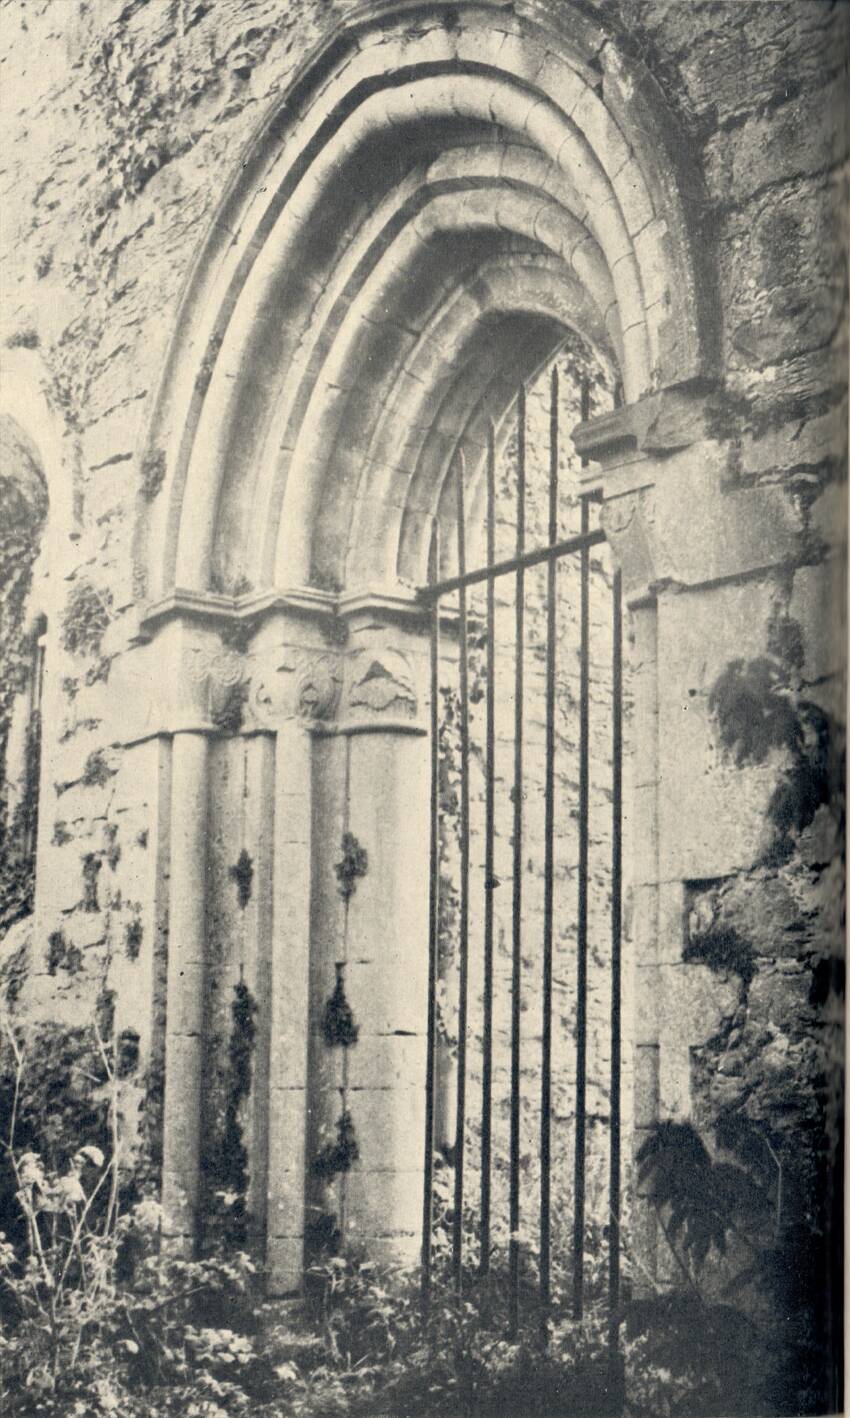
{"x": 514, "y": 563}
{"x": 581, "y": 987}
{"x": 516, "y": 959}
{"x": 616, "y": 960}
{"x": 549, "y": 862}
{"x": 489, "y": 863}
{"x": 585, "y": 405}
{"x": 433, "y": 939}
{"x": 460, "y": 1122}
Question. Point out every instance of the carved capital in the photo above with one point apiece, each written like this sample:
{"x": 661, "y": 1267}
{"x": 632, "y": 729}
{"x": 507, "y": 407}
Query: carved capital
{"x": 296, "y": 684}
{"x": 218, "y": 677}
{"x": 317, "y": 686}
{"x": 380, "y": 683}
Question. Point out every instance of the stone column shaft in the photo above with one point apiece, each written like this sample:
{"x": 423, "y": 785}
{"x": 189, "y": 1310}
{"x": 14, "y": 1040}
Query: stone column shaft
{"x": 258, "y": 925}
{"x": 387, "y": 985}
{"x": 289, "y": 1006}
{"x": 185, "y": 1000}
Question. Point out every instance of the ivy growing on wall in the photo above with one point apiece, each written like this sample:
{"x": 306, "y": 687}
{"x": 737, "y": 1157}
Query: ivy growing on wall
{"x": 225, "y": 1156}
{"x": 242, "y": 876}
{"x": 760, "y": 707}
{"x": 339, "y": 1156}
{"x": 23, "y": 508}
{"x": 339, "y": 1029}
{"x": 353, "y": 865}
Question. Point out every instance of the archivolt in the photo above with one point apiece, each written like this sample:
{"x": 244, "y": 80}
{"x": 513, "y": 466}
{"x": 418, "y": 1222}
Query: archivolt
{"x": 441, "y": 195}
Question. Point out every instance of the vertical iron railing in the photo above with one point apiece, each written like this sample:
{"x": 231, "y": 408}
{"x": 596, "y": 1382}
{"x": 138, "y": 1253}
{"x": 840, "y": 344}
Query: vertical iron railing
{"x": 616, "y": 973}
{"x": 463, "y": 928}
{"x": 516, "y": 917}
{"x": 549, "y": 864}
{"x": 489, "y": 858}
{"x": 433, "y": 932}
{"x": 583, "y": 861}
{"x": 515, "y": 567}
{"x": 581, "y": 944}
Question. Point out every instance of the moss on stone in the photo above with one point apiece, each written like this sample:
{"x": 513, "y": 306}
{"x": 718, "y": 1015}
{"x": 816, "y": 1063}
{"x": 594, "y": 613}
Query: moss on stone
{"x": 152, "y": 473}
{"x": 339, "y": 1156}
{"x": 242, "y": 875}
{"x": 92, "y": 865}
{"x": 86, "y": 619}
{"x": 96, "y": 771}
{"x": 62, "y": 954}
{"x": 339, "y": 1029}
{"x": 133, "y": 939}
{"x": 353, "y": 865}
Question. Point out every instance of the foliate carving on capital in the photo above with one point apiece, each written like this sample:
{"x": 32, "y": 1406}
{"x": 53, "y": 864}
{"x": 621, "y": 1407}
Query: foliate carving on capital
{"x": 317, "y": 687}
{"x": 618, "y": 514}
{"x": 298, "y": 684}
{"x": 218, "y": 680}
{"x": 382, "y": 681}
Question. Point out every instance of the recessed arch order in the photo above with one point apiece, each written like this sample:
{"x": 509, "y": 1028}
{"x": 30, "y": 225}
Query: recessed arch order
{"x": 442, "y": 191}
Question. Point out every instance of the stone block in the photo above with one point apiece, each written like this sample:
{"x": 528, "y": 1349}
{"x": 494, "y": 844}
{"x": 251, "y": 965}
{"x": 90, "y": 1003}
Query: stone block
{"x": 646, "y": 1085}
{"x": 389, "y": 1124}
{"x": 389, "y": 993}
{"x": 705, "y": 531}
{"x": 640, "y": 828}
{"x": 387, "y": 1061}
{"x": 285, "y": 1263}
{"x": 819, "y": 604}
{"x": 186, "y": 998}
{"x": 643, "y": 1011}
{"x": 797, "y": 445}
{"x": 641, "y": 922}
{"x": 711, "y": 812}
{"x": 287, "y": 1124}
{"x": 384, "y": 1203}
{"x": 285, "y": 1200}
{"x": 693, "y": 1003}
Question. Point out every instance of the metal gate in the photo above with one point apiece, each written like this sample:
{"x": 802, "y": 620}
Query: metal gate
{"x": 551, "y": 555}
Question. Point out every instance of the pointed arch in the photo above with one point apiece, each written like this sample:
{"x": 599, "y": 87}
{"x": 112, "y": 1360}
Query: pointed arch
{"x": 434, "y": 171}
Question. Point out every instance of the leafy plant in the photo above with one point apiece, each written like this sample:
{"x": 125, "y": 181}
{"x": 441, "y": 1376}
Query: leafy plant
{"x": 699, "y": 1201}
{"x": 760, "y": 709}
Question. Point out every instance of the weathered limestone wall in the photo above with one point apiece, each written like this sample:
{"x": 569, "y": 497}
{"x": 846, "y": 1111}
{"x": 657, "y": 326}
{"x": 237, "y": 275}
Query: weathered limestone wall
{"x": 122, "y": 126}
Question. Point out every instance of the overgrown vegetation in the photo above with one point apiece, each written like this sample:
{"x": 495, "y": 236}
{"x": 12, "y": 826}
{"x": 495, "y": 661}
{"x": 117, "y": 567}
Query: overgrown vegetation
{"x": 98, "y": 1318}
{"x": 754, "y": 1221}
{"x": 760, "y": 708}
{"x": 225, "y": 1156}
{"x": 23, "y": 508}
{"x": 749, "y": 1315}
